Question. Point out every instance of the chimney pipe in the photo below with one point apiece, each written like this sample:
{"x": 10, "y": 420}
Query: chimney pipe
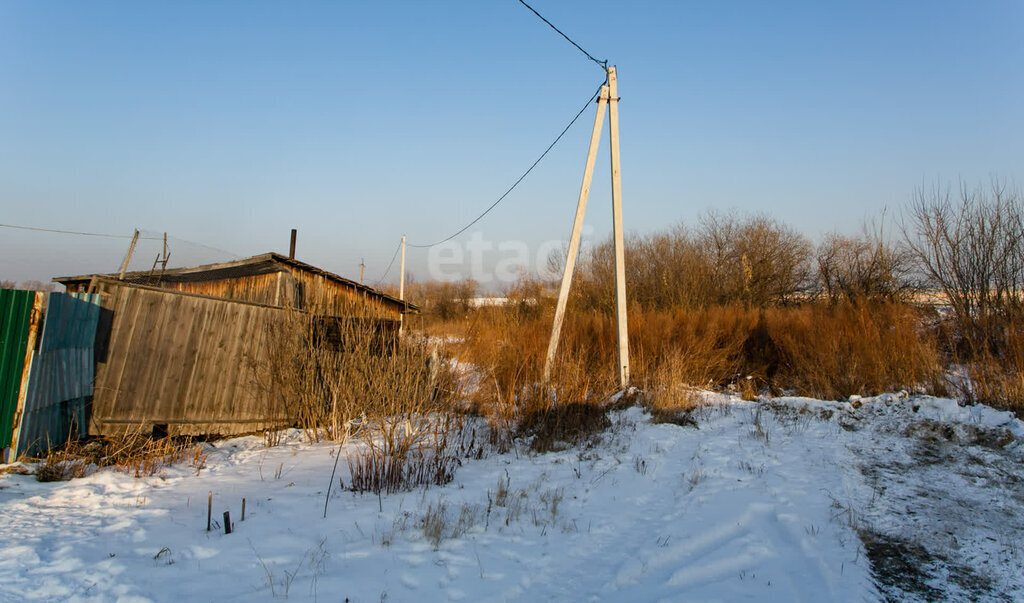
{"x": 291, "y": 249}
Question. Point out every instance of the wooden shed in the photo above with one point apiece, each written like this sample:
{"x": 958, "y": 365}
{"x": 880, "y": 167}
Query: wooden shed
{"x": 181, "y": 351}
{"x": 269, "y": 279}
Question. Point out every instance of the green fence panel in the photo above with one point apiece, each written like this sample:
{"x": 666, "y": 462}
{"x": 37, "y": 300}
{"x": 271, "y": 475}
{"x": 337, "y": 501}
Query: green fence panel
{"x": 15, "y": 318}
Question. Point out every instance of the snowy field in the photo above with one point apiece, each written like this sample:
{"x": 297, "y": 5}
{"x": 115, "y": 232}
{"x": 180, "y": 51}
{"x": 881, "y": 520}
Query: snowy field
{"x": 782, "y": 500}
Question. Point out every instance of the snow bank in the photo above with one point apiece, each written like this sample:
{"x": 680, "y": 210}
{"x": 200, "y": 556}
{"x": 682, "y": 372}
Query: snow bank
{"x": 759, "y": 503}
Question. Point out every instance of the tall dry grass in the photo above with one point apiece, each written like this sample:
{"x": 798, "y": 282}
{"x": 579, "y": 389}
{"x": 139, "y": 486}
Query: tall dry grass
{"x": 836, "y": 351}
{"x": 829, "y": 351}
{"x": 993, "y": 375}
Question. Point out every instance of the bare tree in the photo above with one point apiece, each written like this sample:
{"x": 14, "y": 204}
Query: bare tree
{"x": 864, "y": 267}
{"x": 37, "y": 286}
{"x": 971, "y": 246}
{"x": 755, "y": 259}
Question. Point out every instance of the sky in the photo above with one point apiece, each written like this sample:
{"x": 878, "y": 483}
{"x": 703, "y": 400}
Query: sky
{"x": 226, "y": 124}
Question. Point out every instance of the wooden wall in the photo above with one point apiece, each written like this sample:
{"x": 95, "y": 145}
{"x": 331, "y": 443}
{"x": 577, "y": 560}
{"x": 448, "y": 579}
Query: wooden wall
{"x": 320, "y": 295}
{"x": 184, "y": 361}
{"x": 258, "y": 288}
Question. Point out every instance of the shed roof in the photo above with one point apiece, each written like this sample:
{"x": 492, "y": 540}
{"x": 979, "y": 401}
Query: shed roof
{"x": 258, "y": 264}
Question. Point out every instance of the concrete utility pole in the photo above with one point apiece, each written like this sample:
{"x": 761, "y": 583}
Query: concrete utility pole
{"x": 620, "y": 260}
{"x": 401, "y": 289}
{"x": 608, "y": 97}
{"x": 574, "y": 239}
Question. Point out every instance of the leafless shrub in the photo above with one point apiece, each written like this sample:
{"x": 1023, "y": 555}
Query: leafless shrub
{"x": 728, "y": 258}
{"x": 864, "y": 267}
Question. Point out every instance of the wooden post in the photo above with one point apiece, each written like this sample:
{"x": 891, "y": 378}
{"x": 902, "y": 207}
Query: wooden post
{"x": 209, "y": 509}
{"x": 401, "y": 290}
{"x": 243, "y": 509}
{"x": 620, "y": 261}
{"x": 227, "y": 522}
{"x": 166, "y": 256}
{"x": 128, "y": 258}
{"x": 574, "y": 239}
{"x": 291, "y": 247}
{"x": 35, "y": 325}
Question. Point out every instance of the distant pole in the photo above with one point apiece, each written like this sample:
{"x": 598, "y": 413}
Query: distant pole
{"x": 291, "y": 248}
{"x": 401, "y": 289}
{"x": 577, "y": 227}
{"x": 165, "y": 252}
{"x": 362, "y": 265}
{"x": 128, "y": 258}
{"x": 620, "y": 261}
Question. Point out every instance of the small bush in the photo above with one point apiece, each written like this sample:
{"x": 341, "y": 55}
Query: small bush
{"x": 375, "y": 472}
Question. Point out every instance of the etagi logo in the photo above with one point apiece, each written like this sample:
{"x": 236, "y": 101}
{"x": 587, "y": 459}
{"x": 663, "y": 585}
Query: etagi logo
{"x": 487, "y": 261}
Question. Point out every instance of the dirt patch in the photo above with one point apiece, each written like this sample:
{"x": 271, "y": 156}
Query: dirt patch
{"x": 898, "y": 567}
{"x": 905, "y": 570}
{"x": 960, "y": 434}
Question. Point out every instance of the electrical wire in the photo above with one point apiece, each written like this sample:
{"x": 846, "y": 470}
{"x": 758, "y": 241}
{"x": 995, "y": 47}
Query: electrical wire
{"x": 390, "y": 264}
{"x": 74, "y": 232}
{"x": 592, "y": 98}
{"x": 602, "y": 64}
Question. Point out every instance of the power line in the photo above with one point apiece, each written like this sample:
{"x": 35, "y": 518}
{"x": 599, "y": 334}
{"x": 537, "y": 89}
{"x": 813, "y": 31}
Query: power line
{"x": 73, "y": 232}
{"x": 602, "y": 64}
{"x": 521, "y": 178}
{"x": 390, "y": 264}
{"x": 203, "y": 245}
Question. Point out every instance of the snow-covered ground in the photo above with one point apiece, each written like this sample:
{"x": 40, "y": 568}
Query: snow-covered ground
{"x": 783, "y": 499}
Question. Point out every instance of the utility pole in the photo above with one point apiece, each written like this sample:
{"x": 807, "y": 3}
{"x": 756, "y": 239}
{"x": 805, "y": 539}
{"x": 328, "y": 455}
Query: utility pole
{"x": 161, "y": 258}
{"x": 362, "y": 265}
{"x": 574, "y": 239}
{"x": 608, "y": 97}
{"x": 620, "y": 261}
{"x": 291, "y": 246}
{"x": 166, "y": 256}
{"x": 401, "y": 290}
{"x": 128, "y": 258}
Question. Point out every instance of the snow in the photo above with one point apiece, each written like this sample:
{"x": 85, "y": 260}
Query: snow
{"x": 778, "y": 500}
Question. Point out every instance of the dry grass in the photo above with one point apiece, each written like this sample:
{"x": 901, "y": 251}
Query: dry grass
{"x": 378, "y": 473}
{"x": 508, "y": 346}
{"x": 832, "y": 352}
{"x": 824, "y": 350}
{"x": 995, "y": 377}
{"x": 133, "y": 453}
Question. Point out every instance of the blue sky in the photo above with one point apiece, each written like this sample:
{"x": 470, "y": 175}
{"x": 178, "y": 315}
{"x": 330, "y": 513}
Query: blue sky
{"x": 228, "y": 123}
